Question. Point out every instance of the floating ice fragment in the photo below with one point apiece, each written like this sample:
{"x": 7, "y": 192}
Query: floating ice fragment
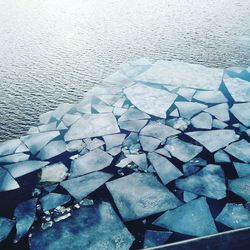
{"x": 133, "y": 114}
{"x": 140, "y": 160}
{"x": 93, "y": 144}
{"x": 9, "y": 147}
{"x": 22, "y": 148}
{"x": 221, "y": 156}
{"x": 132, "y": 139}
{"x": 219, "y": 124}
{"x": 193, "y": 218}
{"x": 242, "y": 169}
{"x": 113, "y": 140}
{"x": 209, "y": 181}
{"x": 119, "y": 111}
{"x": 52, "y": 149}
{"x": 202, "y": 120}
{"x": 214, "y": 140}
{"x": 178, "y": 123}
{"x": 188, "y": 196}
{"x": 133, "y": 126}
{"x": 54, "y": 173}
{"x": 53, "y": 200}
{"x": 118, "y": 78}
{"x": 62, "y": 109}
{"x": 47, "y": 127}
{"x": 124, "y": 162}
{"x": 7, "y": 182}
{"x": 100, "y": 108}
{"x": 174, "y": 113}
{"x": 75, "y": 146}
{"x": 46, "y": 117}
{"x": 187, "y": 93}
{"x": 69, "y": 119}
{"x": 6, "y": 226}
{"x": 214, "y": 96}
{"x": 14, "y": 158}
{"x": 139, "y": 195}
{"x": 61, "y": 126}
{"x": 241, "y": 112}
{"x": 155, "y": 238}
{"x": 163, "y": 151}
{"x": 240, "y": 187}
{"x": 149, "y": 144}
{"x": 220, "y": 111}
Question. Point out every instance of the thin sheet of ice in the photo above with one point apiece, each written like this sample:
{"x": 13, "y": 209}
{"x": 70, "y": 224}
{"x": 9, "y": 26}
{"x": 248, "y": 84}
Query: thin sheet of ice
{"x": 139, "y": 195}
{"x": 9, "y": 147}
{"x": 187, "y": 93}
{"x": 221, "y": 156}
{"x": 140, "y": 160}
{"x": 202, "y": 121}
{"x": 69, "y": 119}
{"x": 214, "y": 140}
{"x": 153, "y": 101}
{"x": 209, "y": 182}
{"x": 183, "y": 74}
{"x": 14, "y": 158}
{"x": 155, "y": 238}
{"x": 242, "y": 169}
{"x": 149, "y": 144}
{"x": 220, "y": 111}
{"x": 112, "y": 141}
{"x": 241, "y": 112}
{"x": 62, "y": 109}
{"x": 240, "y": 187}
{"x": 210, "y": 97}
{"x": 54, "y": 173}
{"x": 219, "y": 124}
{"x": 133, "y": 114}
{"x": 189, "y": 196}
{"x": 7, "y": 182}
{"x": 91, "y": 126}
{"x": 47, "y": 127}
{"x": 100, "y": 108}
{"x": 6, "y": 226}
{"x": 193, "y": 218}
{"x": 52, "y": 149}
{"x": 133, "y": 126}
{"x": 53, "y": 200}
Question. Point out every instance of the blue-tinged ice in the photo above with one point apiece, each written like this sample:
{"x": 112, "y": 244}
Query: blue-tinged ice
{"x": 178, "y": 123}
{"x": 101, "y": 108}
{"x": 118, "y": 78}
{"x": 6, "y": 226}
{"x": 209, "y": 182}
{"x": 124, "y": 162}
{"x": 109, "y": 99}
{"x": 163, "y": 151}
{"x": 183, "y": 74}
{"x": 175, "y": 113}
{"x": 140, "y": 160}
{"x": 155, "y": 238}
{"x": 187, "y": 93}
{"x": 149, "y": 144}
{"x": 234, "y": 216}
{"x": 85, "y": 229}
{"x": 14, "y": 158}
{"x": 153, "y": 101}
{"x": 56, "y": 172}
{"x": 189, "y": 109}
{"x": 243, "y": 73}
{"x": 52, "y": 149}
{"x": 219, "y": 124}
{"x": 193, "y": 166}
{"x": 139, "y": 195}
{"x": 46, "y": 118}
{"x": 214, "y": 140}
{"x": 61, "y": 126}
{"x": 133, "y": 114}
{"x": 53, "y": 200}
{"x": 90, "y": 162}
{"x": 36, "y": 142}
{"x": 164, "y": 168}
{"x": 193, "y": 218}
{"x": 93, "y": 144}
{"x": 241, "y": 112}
{"x": 25, "y": 214}
{"x": 221, "y": 156}
{"x": 132, "y": 139}
{"x": 61, "y": 110}
{"x": 69, "y": 119}
{"x": 115, "y": 140}
{"x": 182, "y": 150}
{"x": 82, "y": 186}
{"x": 242, "y": 169}
{"x": 240, "y": 150}
{"x": 202, "y": 121}
{"x": 9, "y": 147}
{"x": 189, "y": 196}
{"x": 47, "y": 127}
{"x": 220, "y": 111}
{"x": 7, "y": 182}
{"x": 94, "y": 125}
{"x": 22, "y": 148}
{"x": 133, "y": 126}
{"x": 240, "y": 187}
{"x": 210, "y": 97}
{"x": 75, "y": 146}
{"x": 119, "y": 111}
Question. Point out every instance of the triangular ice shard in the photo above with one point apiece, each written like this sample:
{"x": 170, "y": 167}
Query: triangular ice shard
{"x": 7, "y": 182}
{"x": 219, "y": 111}
{"x": 112, "y": 141}
{"x": 241, "y": 112}
{"x": 52, "y": 149}
{"x": 202, "y": 121}
{"x": 242, "y": 169}
{"x": 6, "y": 226}
{"x": 155, "y": 238}
{"x": 240, "y": 187}
{"x": 187, "y": 93}
{"x": 9, "y": 147}
{"x": 210, "y": 97}
{"x": 53, "y": 200}
{"x": 133, "y": 114}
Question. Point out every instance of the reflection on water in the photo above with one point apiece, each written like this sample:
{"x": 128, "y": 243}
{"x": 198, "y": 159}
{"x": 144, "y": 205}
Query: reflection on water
{"x": 54, "y": 51}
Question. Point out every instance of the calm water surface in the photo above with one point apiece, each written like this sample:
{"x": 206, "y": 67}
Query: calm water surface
{"x": 54, "y": 51}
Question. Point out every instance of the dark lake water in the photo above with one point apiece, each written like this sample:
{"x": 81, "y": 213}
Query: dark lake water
{"x": 54, "y": 51}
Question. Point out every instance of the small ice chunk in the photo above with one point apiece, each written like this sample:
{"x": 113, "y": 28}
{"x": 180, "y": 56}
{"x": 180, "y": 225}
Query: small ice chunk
{"x": 139, "y": 195}
{"x": 140, "y": 160}
{"x": 93, "y": 144}
{"x": 82, "y": 186}
{"x": 22, "y": 148}
{"x": 221, "y": 156}
{"x": 190, "y": 168}
{"x": 155, "y": 238}
{"x": 69, "y": 119}
{"x": 90, "y": 162}
{"x": 149, "y": 144}
{"x": 175, "y": 113}
{"x": 7, "y": 182}
{"x": 75, "y": 146}
{"x": 209, "y": 181}
{"x": 153, "y": 101}
{"x": 6, "y": 226}
{"x": 187, "y": 93}
{"x": 133, "y": 126}
{"x": 202, "y": 120}
{"x": 210, "y": 97}
{"x": 36, "y": 142}
{"x": 219, "y": 124}
{"x": 61, "y": 126}
{"x": 189, "y": 109}
{"x": 100, "y": 108}
{"x": 119, "y": 111}
{"x": 193, "y": 218}
{"x": 219, "y": 111}
{"x": 241, "y": 112}
{"x": 115, "y": 150}
{"x": 124, "y": 162}
{"x": 242, "y": 169}
{"x": 53, "y": 200}
{"x": 109, "y": 99}
{"x": 240, "y": 187}
{"x": 133, "y": 114}
{"x": 46, "y": 117}
{"x": 25, "y": 214}
{"x": 234, "y": 216}
{"x": 115, "y": 140}
{"x": 214, "y": 140}
{"x": 189, "y": 196}
{"x": 132, "y": 139}
{"x": 92, "y": 126}
{"x": 52, "y": 149}
{"x": 9, "y": 147}
{"x": 14, "y": 158}
{"x": 54, "y": 173}
{"x": 163, "y": 151}
{"x": 182, "y": 150}
{"x": 62, "y": 109}
{"x": 164, "y": 168}
{"x": 47, "y": 127}
{"x": 240, "y": 150}
{"x": 178, "y": 123}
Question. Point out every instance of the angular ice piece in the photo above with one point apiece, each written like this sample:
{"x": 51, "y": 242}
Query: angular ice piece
{"x": 120, "y": 102}
{"x": 175, "y": 113}
{"x": 182, "y": 150}
{"x": 115, "y": 150}
{"x": 139, "y": 195}
{"x": 132, "y": 139}
{"x": 133, "y": 126}
{"x": 25, "y": 214}
{"x": 238, "y": 89}
{"x": 47, "y": 127}
{"x": 62, "y": 109}
{"x": 54, "y": 173}
{"x": 119, "y": 111}
{"x": 140, "y": 160}
{"x": 241, "y": 112}
{"x": 209, "y": 182}
{"x": 242, "y": 169}
{"x": 163, "y": 151}
{"x": 22, "y": 148}
{"x": 193, "y": 218}
{"x": 183, "y": 74}
{"x": 155, "y": 238}
{"x": 234, "y": 216}
{"x": 85, "y": 229}
{"x": 109, "y": 99}
{"x": 189, "y": 109}
{"x": 100, "y": 108}
{"x": 178, "y": 123}
{"x": 214, "y": 140}
{"x": 188, "y": 196}
{"x": 123, "y": 163}
{"x": 61, "y": 126}
{"x": 240, "y": 187}
{"x": 220, "y": 111}
{"x": 36, "y": 142}
{"x": 46, "y": 117}
{"x": 6, "y": 226}
{"x": 240, "y": 150}
{"x": 91, "y": 126}
{"x": 133, "y": 114}
{"x": 82, "y": 186}
{"x": 53, "y": 200}
{"x": 93, "y": 144}
{"x": 238, "y": 72}
{"x": 153, "y": 101}
{"x": 25, "y": 167}
{"x": 215, "y": 96}
{"x": 164, "y": 168}
{"x": 7, "y": 182}
{"x": 187, "y": 93}
{"x": 69, "y": 119}
{"x": 202, "y": 120}
{"x": 149, "y": 144}
{"x": 190, "y": 168}
{"x": 52, "y": 149}
{"x": 219, "y": 124}
{"x": 158, "y": 130}
{"x": 113, "y": 140}
{"x": 14, "y": 158}
{"x": 75, "y": 146}
{"x": 90, "y": 162}
{"x": 9, "y": 147}
{"x": 221, "y": 156}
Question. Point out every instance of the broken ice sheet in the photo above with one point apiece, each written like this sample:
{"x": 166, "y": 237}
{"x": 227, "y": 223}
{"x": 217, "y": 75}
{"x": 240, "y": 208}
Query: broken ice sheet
{"x": 153, "y": 101}
{"x": 209, "y": 97}
{"x": 7, "y": 182}
{"x": 75, "y": 146}
{"x": 193, "y": 218}
{"x": 54, "y": 173}
{"x": 149, "y": 144}
{"x": 133, "y": 126}
{"x": 85, "y": 229}
{"x": 242, "y": 169}
{"x": 241, "y": 112}
{"x": 62, "y": 109}
{"x": 93, "y": 144}
{"x": 139, "y": 195}
{"x": 14, "y": 158}
{"x": 187, "y": 93}
{"x": 219, "y": 111}
{"x": 189, "y": 196}
{"x": 202, "y": 120}
{"x": 182, "y": 150}
{"x": 94, "y": 125}
{"x": 69, "y": 119}
{"x": 90, "y": 162}
{"x": 100, "y": 108}
{"x": 112, "y": 141}
{"x": 9, "y": 147}
{"x": 155, "y": 238}
{"x": 221, "y": 156}
{"x": 209, "y": 182}
{"x": 214, "y": 140}
{"x": 219, "y": 124}
{"x": 133, "y": 114}
{"x": 82, "y": 186}
{"x": 6, "y": 226}
{"x": 140, "y": 160}
{"x": 53, "y": 200}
